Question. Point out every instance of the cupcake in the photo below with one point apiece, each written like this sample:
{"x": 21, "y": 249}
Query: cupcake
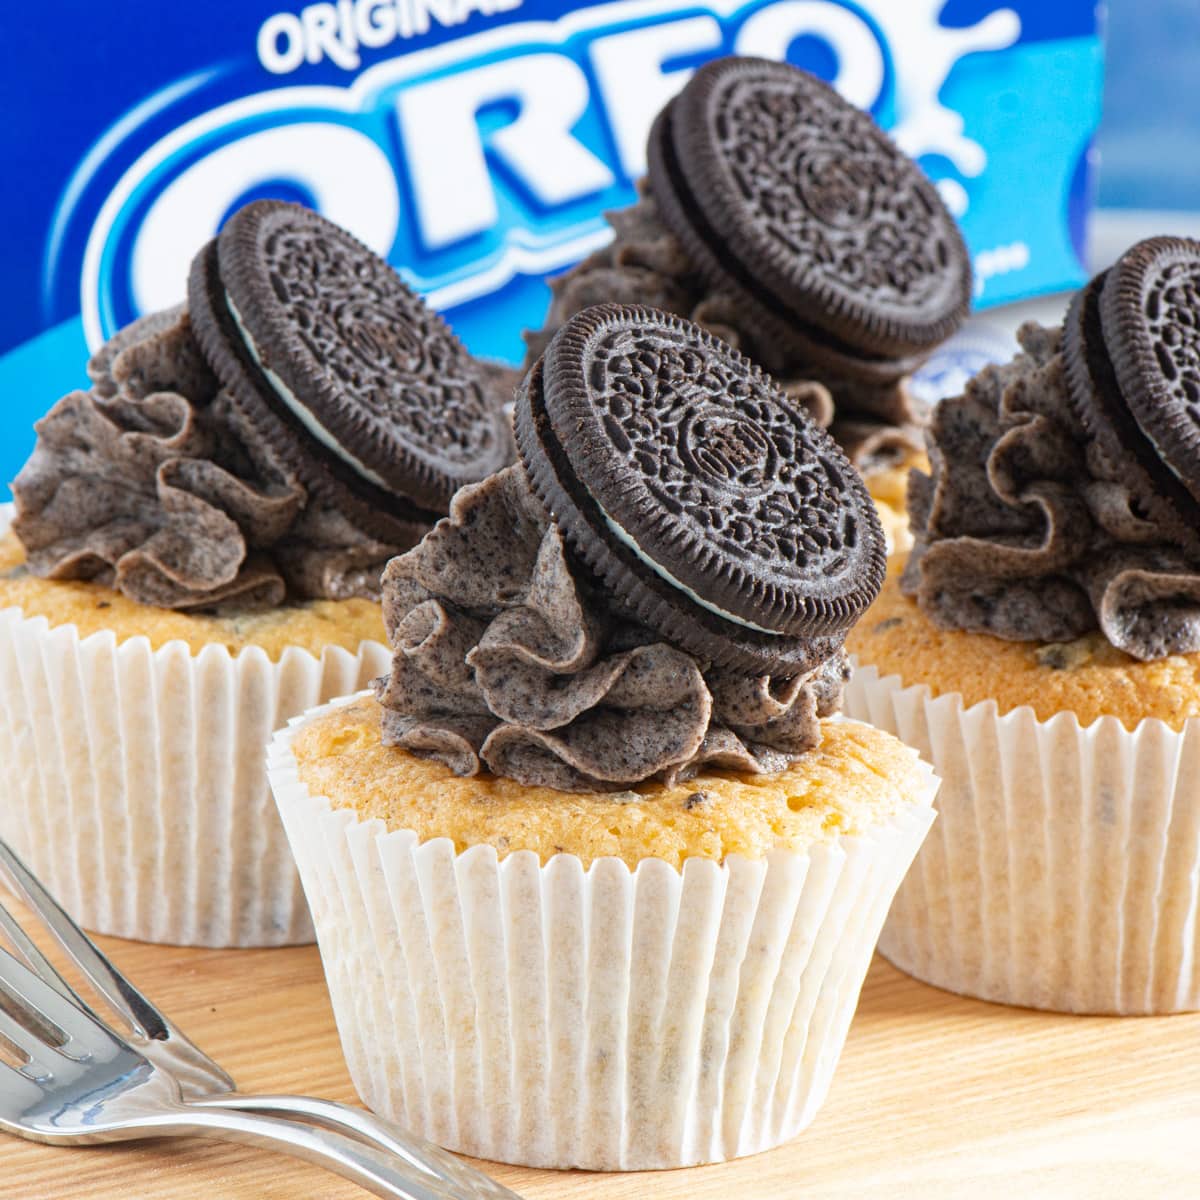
{"x": 1041, "y": 646}
{"x": 596, "y": 871}
{"x": 783, "y": 219}
{"x": 194, "y": 557}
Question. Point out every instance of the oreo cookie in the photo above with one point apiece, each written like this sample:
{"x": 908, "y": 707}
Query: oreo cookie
{"x": 1132, "y": 354}
{"x": 710, "y": 508}
{"x": 344, "y": 373}
{"x": 800, "y": 205}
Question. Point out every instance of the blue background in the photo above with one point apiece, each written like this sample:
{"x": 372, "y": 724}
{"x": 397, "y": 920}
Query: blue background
{"x": 1150, "y": 135}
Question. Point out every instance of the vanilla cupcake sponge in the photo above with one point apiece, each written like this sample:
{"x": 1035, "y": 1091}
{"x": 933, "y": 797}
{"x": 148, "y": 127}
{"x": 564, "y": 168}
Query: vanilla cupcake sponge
{"x": 562, "y": 1008}
{"x": 1064, "y": 868}
{"x": 1045, "y": 657}
{"x": 92, "y": 607}
{"x": 1087, "y": 676}
{"x": 136, "y": 789}
{"x": 855, "y": 779}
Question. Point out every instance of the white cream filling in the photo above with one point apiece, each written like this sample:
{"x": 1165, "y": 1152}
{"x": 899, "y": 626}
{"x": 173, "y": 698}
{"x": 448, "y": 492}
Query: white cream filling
{"x": 663, "y": 573}
{"x": 298, "y": 410}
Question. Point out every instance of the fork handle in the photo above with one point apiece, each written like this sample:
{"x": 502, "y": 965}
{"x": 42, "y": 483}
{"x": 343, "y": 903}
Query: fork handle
{"x": 359, "y": 1123}
{"x": 369, "y": 1168}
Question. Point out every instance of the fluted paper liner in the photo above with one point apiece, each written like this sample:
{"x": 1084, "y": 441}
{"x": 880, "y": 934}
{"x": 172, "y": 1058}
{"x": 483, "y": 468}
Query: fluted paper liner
{"x": 135, "y": 787}
{"x": 607, "y": 1019}
{"x": 1064, "y": 870}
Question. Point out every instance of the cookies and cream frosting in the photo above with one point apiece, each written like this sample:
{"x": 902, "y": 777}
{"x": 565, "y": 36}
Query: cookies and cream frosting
{"x": 1026, "y": 530}
{"x": 647, "y": 264}
{"x": 151, "y": 482}
{"x": 507, "y": 658}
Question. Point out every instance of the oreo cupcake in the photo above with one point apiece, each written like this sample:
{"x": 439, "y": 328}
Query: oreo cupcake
{"x": 596, "y": 872}
{"x": 784, "y": 220}
{"x": 195, "y": 557}
{"x": 1042, "y": 648}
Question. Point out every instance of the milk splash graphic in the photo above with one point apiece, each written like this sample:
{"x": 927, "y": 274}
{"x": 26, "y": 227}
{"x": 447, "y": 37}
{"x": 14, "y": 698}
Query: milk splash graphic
{"x": 924, "y": 53}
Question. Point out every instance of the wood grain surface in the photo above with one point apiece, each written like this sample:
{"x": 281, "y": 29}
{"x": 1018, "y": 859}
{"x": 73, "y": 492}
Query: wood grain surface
{"x": 936, "y": 1097}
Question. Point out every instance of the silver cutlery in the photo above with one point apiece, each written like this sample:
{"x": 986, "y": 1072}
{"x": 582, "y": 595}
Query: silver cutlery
{"x": 169, "y": 1085}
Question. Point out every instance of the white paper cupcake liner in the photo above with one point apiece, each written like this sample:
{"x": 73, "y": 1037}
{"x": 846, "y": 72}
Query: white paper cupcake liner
{"x": 604, "y": 1019}
{"x": 135, "y": 786}
{"x": 1064, "y": 871}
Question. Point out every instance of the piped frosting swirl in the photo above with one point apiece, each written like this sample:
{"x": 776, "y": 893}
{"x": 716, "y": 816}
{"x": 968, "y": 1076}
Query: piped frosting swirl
{"x": 152, "y": 482}
{"x": 1026, "y": 530}
{"x": 507, "y": 658}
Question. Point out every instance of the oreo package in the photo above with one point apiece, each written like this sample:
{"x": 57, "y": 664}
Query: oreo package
{"x": 476, "y": 144}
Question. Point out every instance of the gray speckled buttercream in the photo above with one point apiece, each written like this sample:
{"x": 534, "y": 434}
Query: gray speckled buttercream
{"x": 149, "y": 482}
{"x": 506, "y": 658}
{"x": 1024, "y": 532}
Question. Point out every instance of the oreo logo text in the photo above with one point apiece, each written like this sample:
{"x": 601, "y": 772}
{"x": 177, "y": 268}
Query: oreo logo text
{"x": 466, "y": 164}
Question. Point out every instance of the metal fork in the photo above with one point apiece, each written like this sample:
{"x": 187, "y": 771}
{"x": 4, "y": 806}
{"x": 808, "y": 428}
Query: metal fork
{"x": 79, "y": 1083}
{"x": 200, "y": 1081}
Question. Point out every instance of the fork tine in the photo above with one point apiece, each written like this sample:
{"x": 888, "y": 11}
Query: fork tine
{"x": 30, "y": 994}
{"x": 36, "y": 960}
{"x": 143, "y": 1018}
{"x": 34, "y": 1047}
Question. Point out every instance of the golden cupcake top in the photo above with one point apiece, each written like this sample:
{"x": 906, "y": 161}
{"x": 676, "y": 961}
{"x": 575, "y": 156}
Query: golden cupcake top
{"x": 91, "y": 607}
{"x": 1087, "y": 676}
{"x": 856, "y": 779}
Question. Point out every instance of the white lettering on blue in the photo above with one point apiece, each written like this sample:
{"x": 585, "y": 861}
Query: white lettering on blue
{"x": 281, "y": 43}
{"x": 998, "y": 260}
{"x": 640, "y": 54}
{"x": 447, "y": 160}
{"x": 583, "y": 91}
{"x": 350, "y": 179}
{"x": 327, "y": 36}
{"x": 376, "y": 23}
{"x": 333, "y": 32}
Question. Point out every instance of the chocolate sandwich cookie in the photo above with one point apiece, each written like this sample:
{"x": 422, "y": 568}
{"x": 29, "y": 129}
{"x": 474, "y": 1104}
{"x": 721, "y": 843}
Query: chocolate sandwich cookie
{"x": 1132, "y": 355}
{"x": 713, "y": 510}
{"x": 799, "y": 205}
{"x": 344, "y": 373}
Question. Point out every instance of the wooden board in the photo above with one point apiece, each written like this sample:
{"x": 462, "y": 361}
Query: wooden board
{"x": 936, "y": 1097}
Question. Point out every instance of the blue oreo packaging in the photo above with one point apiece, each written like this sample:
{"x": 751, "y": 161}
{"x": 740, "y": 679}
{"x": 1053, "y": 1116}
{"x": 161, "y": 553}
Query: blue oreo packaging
{"x": 477, "y": 143}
